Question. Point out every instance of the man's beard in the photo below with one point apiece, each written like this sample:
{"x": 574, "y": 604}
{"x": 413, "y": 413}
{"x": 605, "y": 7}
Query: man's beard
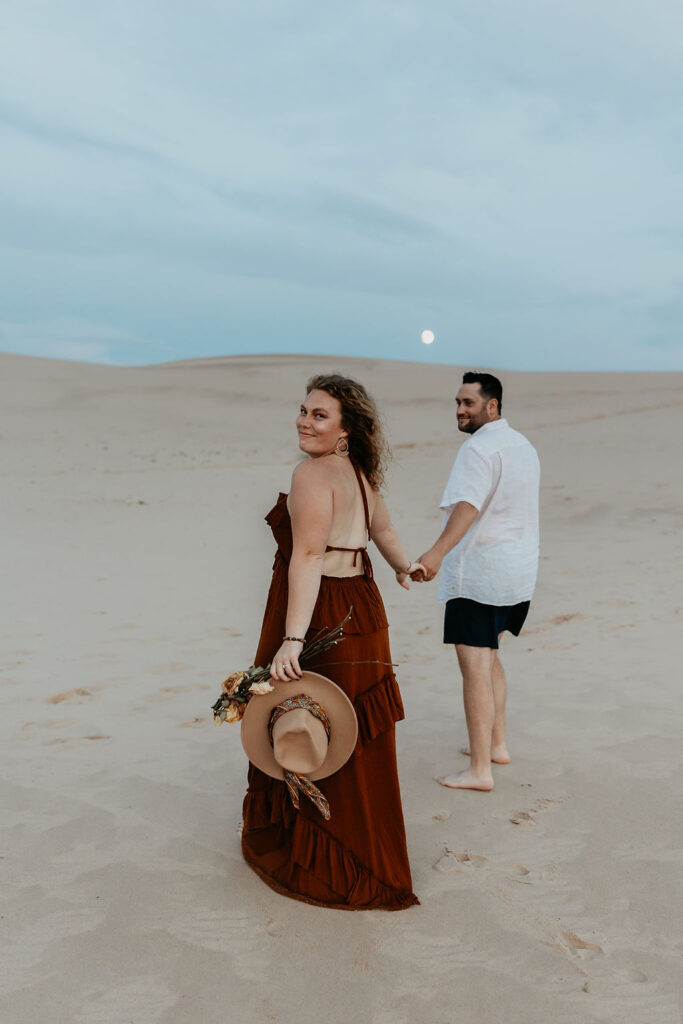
{"x": 469, "y": 426}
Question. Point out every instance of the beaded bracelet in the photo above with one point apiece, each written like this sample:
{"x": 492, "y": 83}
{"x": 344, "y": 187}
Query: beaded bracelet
{"x": 297, "y": 638}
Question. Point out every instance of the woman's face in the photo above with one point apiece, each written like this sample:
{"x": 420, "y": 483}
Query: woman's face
{"x": 319, "y": 424}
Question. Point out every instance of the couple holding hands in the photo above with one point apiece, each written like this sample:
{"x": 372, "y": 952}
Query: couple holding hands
{"x": 328, "y": 735}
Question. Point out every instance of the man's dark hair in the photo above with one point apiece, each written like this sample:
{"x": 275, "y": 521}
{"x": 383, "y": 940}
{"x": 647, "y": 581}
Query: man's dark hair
{"x": 489, "y": 386}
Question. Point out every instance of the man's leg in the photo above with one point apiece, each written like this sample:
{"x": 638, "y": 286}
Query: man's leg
{"x": 476, "y": 665}
{"x": 499, "y": 750}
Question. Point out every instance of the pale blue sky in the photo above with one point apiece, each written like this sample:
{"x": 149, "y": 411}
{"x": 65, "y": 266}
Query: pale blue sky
{"x": 183, "y": 180}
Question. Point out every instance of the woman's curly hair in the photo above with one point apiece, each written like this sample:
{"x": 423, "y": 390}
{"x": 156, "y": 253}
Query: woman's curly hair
{"x": 368, "y": 447}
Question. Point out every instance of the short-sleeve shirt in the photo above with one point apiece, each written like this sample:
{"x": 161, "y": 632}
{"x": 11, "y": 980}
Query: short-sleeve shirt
{"x": 497, "y": 471}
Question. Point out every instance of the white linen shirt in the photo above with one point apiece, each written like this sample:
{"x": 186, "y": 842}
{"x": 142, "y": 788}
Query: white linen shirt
{"x": 496, "y": 562}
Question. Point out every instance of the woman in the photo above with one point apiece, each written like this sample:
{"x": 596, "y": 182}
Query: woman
{"x": 358, "y": 859}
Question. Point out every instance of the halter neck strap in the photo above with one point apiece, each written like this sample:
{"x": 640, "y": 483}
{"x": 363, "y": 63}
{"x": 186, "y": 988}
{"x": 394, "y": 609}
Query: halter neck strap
{"x": 364, "y": 496}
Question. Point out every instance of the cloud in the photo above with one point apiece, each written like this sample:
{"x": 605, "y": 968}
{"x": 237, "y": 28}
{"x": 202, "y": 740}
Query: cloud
{"x": 52, "y": 133}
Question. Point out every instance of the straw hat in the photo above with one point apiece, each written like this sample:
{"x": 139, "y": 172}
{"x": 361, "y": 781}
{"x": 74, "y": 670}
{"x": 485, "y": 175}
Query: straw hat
{"x": 300, "y": 741}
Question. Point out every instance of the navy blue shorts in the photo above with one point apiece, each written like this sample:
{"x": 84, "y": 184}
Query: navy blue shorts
{"x": 479, "y": 625}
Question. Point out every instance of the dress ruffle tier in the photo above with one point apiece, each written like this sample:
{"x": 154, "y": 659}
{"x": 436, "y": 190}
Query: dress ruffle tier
{"x": 316, "y": 852}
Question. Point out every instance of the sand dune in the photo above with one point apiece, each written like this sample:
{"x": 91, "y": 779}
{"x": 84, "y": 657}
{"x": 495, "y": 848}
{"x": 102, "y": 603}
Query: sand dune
{"x": 135, "y": 565}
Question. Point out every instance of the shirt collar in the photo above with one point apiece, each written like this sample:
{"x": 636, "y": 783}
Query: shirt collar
{"x": 493, "y": 425}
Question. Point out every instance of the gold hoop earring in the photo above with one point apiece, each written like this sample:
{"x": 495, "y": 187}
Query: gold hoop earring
{"x": 342, "y": 447}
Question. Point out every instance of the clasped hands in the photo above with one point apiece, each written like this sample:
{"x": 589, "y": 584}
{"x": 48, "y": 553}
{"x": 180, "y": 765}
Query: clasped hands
{"x": 422, "y": 570}
{"x": 426, "y": 567}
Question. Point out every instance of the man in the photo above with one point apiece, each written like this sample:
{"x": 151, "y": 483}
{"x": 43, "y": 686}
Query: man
{"x": 488, "y": 553}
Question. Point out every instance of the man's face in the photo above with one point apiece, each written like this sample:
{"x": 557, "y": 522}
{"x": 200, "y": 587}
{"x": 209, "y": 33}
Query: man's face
{"x": 473, "y": 409}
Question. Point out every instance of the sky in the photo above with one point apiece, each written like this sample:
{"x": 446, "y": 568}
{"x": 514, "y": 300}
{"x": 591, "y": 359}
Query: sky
{"x": 183, "y": 180}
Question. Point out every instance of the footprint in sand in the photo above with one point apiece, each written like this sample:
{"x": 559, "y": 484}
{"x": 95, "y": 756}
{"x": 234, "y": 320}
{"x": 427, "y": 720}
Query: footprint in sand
{"x": 580, "y": 947}
{"x": 556, "y": 620}
{"x": 446, "y": 863}
{"x": 451, "y": 861}
{"x": 56, "y": 723}
{"x": 635, "y": 974}
{"x": 70, "y": 695}
{"x": 169, "y": 691}
{"x": 527, "y": 817}
{"x": 74, "y": 739}
{"x": 518, "y": 873}
{"x": 522, "y": 818}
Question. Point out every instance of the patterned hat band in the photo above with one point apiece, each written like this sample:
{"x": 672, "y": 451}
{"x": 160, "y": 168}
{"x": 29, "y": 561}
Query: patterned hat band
{"x": 300, "y": 701}
{"x": 295, "y": 782}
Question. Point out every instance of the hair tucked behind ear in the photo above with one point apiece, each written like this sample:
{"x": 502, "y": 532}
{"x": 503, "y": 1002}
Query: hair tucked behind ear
{"x": 368, "y": 447}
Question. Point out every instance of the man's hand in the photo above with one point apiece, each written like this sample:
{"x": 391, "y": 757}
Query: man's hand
{"x": 431, "y": 563}
{"x": 416, "y": 572}
{"x": 459, "y": 522}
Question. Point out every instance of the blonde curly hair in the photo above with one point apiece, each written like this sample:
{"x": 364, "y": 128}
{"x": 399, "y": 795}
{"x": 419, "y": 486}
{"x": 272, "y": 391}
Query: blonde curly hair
{"x": 368, "y": 446}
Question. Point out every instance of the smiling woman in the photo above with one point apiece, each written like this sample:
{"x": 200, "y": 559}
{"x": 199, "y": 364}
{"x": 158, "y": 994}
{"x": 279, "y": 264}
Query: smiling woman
{"x": 354, "y": 857}
{"x": 319, "y": 428}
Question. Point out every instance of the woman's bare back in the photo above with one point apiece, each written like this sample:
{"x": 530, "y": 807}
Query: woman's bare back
{"x": 348, "y": 527}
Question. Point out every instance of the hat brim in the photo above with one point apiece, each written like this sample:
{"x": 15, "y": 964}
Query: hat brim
{"x": 337, "y": 706}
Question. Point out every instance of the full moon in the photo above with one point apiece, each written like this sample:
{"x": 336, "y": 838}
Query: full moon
{"x": 427, "y": 337}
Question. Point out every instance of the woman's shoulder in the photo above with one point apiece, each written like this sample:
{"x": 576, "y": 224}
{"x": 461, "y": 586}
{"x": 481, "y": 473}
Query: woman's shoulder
{"x": 314, "y": 472}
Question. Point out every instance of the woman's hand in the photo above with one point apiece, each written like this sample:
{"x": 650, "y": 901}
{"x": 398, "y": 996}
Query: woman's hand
{"x": 413, "y": 570}
{"x": 430, "y": 563}
{"x": 285, "y": 665}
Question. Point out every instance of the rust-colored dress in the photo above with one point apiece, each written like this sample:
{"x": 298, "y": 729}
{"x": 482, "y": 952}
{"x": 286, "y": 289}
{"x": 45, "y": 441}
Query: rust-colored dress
{"x": 357, "y": 860}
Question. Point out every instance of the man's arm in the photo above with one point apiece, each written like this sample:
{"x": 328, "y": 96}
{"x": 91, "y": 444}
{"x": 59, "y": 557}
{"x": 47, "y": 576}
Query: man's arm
{"x": 459, "y": 522}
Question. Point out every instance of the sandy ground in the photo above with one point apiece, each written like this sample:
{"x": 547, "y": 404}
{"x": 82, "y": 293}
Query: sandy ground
{"x": 135, "y": 563}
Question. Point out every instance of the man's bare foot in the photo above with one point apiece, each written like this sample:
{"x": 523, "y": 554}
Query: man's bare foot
{"x": 499, "y": 755}
{"x": 466, "y": 780}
